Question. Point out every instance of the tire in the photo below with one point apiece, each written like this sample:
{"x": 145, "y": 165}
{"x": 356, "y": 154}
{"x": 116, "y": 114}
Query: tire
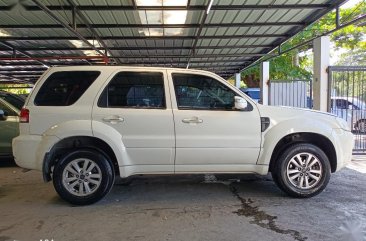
{"x": 302, "y": 171}
{"x": 83, "y": 177}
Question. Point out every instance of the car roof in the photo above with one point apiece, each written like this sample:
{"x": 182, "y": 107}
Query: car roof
{"x": 122, "y": 67}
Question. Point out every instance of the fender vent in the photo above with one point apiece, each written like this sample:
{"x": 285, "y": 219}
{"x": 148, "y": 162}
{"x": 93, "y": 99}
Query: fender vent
{"x": 265, "y": 122}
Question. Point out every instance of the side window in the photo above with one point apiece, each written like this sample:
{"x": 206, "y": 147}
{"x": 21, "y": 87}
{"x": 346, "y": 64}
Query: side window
{"x": 134, "y": 90}
{"x": 7, "y": 110}
{"x": 341, "y": 104}
{"x": 202, "y": 92}
{"x": 64, "y": 88}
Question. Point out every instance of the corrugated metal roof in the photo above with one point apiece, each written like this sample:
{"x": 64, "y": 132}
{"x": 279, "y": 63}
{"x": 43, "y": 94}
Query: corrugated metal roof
{"x": 233, "y": 35}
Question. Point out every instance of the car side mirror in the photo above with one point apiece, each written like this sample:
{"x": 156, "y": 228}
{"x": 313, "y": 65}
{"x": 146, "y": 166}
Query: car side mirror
{"x": 240, "y": 103}
{"x": 2, "y": 115}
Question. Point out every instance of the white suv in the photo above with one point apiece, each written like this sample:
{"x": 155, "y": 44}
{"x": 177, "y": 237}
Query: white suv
{"x": 81, "y": 126}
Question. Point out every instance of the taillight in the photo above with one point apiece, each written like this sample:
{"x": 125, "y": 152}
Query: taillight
{"x": 24, "y": 115}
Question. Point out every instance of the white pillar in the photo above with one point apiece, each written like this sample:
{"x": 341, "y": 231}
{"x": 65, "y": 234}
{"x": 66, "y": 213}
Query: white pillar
{"x": 264, "y": 82}
{"x": 320, "y": 78}
{"x": 237, "y": 80}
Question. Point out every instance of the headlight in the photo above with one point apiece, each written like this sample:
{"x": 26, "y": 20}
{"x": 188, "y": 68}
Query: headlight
{"x": 343, "y": 124}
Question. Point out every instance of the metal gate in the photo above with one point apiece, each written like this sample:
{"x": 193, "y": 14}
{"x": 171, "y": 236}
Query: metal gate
{"x": 295, "y": 93}
{"x": 347, "y": 99}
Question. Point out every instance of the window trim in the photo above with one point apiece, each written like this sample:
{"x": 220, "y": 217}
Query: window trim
{"x": 104, "y": 88}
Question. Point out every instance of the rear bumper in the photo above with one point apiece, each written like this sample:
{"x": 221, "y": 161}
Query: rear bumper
{"x": 29, "y": 150}
{"x": 343, "y": 141}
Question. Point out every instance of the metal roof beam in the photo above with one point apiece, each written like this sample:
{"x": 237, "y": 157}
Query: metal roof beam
{"x": 11, "y": 69}
{"x": 26, "y": 81}
{"x": 5, "y": 64}
{"x": 149, "y": 61}
{"x": 90, "y": 28}
{"x": 14, "y": 38}
{"x": 143, "y": 48}
{"x": 185, "y": 62}
{"x": 57, "y": 19}
{"x": 190, "y": 7}
{"x": 187, "y": 25}
{"x": 195, "y": 56}
{"x": 15, "y": 82}
{"x": 20, "y": 73}
{"x": 9, "y": 46}
{"x": 199, "y": 31}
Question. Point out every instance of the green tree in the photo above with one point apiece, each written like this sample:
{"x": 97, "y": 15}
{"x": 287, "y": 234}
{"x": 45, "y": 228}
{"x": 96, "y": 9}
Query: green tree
{"x": 16, "y": 88}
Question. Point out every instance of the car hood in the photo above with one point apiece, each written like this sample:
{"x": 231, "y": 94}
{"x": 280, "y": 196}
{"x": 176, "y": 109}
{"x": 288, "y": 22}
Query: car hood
{"x": 306, "y": 116}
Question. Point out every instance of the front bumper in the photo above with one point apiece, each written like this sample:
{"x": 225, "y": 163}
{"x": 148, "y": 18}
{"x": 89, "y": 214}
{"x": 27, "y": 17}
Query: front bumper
{"x": 343, "y": 143}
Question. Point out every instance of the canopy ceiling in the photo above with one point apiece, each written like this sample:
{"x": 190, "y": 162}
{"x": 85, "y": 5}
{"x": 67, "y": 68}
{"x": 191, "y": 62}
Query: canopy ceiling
{"x": 222, "y": 36}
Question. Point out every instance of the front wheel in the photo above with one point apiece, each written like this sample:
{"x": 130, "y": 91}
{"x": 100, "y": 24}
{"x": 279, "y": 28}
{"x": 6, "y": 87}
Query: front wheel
{"x": 83, "y": 177}
{"x": 303, "y": 170}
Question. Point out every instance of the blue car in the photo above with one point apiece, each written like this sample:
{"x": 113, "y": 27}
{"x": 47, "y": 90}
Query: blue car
{"x": 254, "y": 93}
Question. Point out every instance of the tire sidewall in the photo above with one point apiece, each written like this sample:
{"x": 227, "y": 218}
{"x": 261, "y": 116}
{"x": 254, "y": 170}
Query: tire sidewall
{"x": 287, "y": 186}
{"x": 106, "y": 169}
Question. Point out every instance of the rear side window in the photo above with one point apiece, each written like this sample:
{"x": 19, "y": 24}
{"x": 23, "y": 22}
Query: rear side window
{"x": 64, "y": 88}
{"x": 134, "y": 90}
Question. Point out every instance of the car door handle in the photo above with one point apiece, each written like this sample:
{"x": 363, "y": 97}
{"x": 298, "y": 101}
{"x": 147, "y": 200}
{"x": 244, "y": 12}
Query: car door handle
{"x": 192, "y": 120}
{"x": 113, "y": 119}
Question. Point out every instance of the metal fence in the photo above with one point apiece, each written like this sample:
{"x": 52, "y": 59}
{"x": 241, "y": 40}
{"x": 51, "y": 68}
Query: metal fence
{"x": 295, "y": 93}
{"x": 347, "y": 96}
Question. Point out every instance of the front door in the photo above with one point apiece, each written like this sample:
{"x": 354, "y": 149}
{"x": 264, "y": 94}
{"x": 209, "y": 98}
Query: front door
{"x": 211, "y": 136}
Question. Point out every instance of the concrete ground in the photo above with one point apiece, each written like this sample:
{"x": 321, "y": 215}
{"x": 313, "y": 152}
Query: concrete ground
{"x": 185, "y": 208}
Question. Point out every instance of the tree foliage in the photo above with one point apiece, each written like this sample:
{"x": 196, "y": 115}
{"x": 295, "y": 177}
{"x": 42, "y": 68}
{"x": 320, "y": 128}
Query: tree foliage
{"x": 16, "y": 88}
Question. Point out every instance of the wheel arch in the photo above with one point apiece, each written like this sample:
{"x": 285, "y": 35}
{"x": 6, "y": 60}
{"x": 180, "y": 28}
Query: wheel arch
{"x": 304, "y": 137}
{"x": 76, "y": 142}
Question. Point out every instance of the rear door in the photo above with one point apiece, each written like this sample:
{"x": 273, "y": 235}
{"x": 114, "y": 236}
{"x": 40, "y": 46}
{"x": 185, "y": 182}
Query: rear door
{"x": 210, "y": 135}
{"x": 137, "y": 105}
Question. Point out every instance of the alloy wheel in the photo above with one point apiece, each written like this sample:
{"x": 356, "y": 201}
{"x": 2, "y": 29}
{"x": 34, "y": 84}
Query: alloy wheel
{"x": 304, "y": 170}
{"x": 82, "y": 177}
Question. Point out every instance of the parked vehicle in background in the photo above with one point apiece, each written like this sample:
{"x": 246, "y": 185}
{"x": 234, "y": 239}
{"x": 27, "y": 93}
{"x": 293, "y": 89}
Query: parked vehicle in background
{"x": 83, "y": 125}
{"x": 351, "y": 109}
{"x": 254, "y": 93}
{"x": 15, "y": 100}
{"x": 10, "y": 106}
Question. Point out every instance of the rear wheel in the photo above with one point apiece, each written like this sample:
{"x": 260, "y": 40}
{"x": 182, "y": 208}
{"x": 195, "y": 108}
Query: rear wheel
{"x": 303, "y": 170}
{"x": 83, "y": 177}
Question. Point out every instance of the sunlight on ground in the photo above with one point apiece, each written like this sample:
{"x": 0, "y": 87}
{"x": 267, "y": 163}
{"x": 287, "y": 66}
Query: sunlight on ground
{"x": 358, "y": 164}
